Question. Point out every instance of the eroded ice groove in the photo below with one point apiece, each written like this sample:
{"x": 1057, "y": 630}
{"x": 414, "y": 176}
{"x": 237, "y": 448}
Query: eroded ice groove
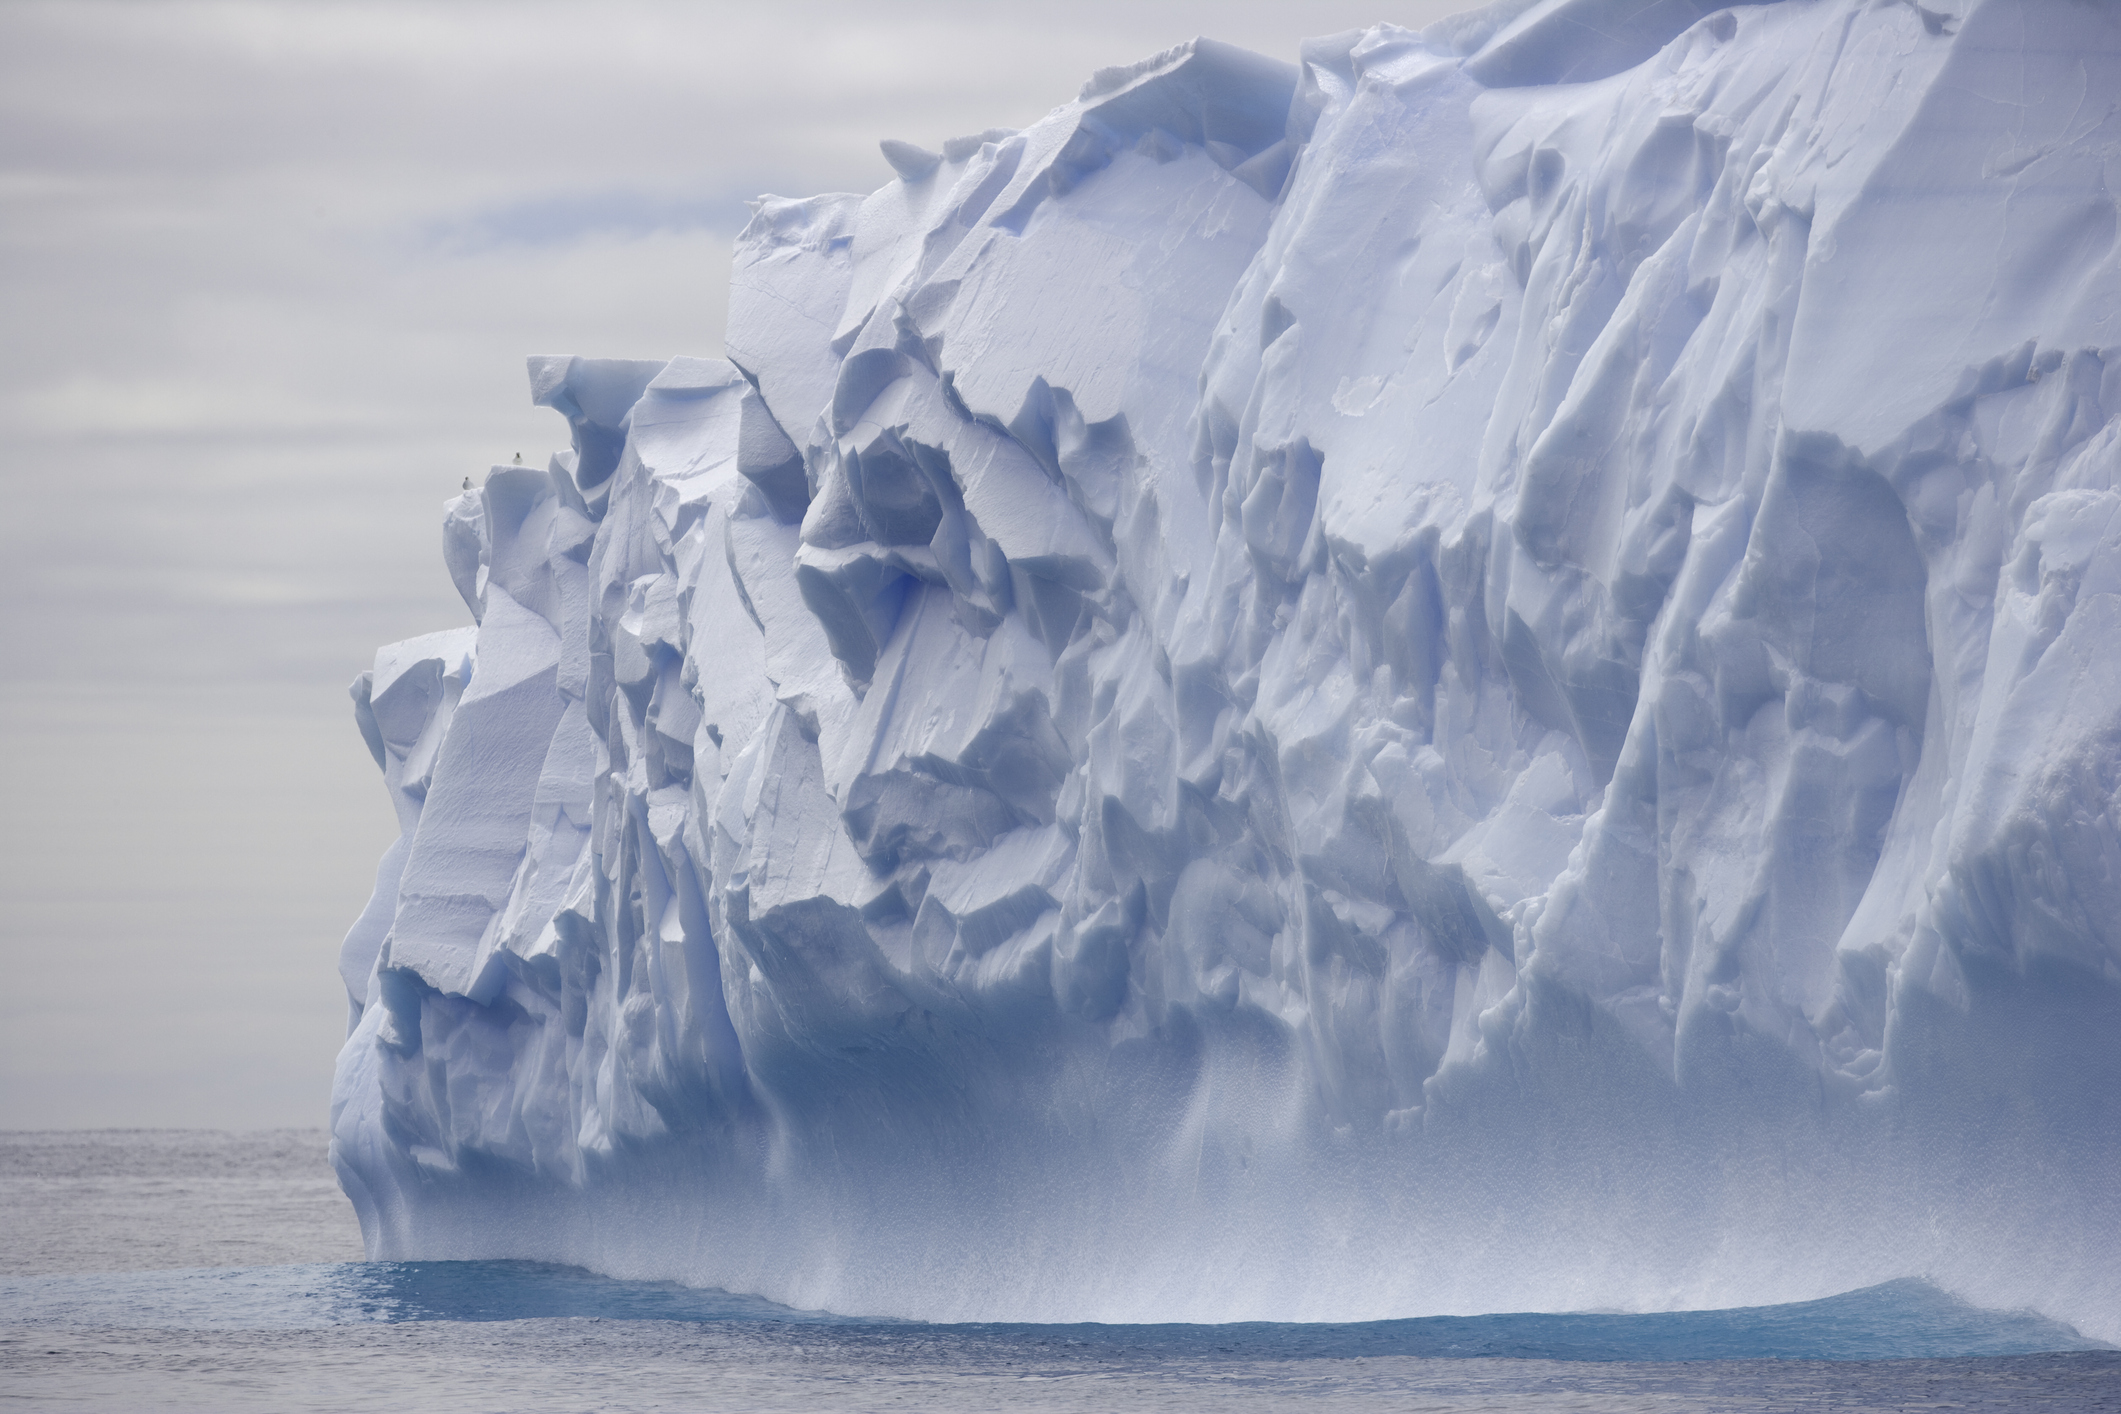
{"x": 1481, "y": 674}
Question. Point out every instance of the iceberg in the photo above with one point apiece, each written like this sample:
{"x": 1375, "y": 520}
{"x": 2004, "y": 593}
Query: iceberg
{"x": 1479, "y": 674}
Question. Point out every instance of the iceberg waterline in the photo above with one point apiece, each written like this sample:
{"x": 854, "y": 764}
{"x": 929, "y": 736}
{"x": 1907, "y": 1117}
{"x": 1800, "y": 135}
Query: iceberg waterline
{"x": 1482, "y": 674}
{"x": 1900, "y": 1320}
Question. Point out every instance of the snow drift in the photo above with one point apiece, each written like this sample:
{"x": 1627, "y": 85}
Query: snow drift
{"x": 1481, "y": 674}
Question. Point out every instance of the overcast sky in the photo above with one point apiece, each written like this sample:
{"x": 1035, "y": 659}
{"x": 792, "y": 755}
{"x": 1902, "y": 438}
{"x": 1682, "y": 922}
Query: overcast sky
{"x": 268, "y": 274}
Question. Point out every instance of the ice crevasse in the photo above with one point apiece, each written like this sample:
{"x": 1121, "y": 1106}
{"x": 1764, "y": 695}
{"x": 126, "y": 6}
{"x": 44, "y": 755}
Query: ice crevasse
{"x": 1482, "y": 673}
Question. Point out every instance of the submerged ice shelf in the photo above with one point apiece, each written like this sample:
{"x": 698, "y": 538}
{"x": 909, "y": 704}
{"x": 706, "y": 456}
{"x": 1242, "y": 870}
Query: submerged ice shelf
{"x": 1903, "y": 1320}
{"x": 1480, "y": 674}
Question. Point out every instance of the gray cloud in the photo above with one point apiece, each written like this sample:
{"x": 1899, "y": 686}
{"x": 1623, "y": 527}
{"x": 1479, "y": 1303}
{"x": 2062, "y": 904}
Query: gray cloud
{"x": 566, "y": 217}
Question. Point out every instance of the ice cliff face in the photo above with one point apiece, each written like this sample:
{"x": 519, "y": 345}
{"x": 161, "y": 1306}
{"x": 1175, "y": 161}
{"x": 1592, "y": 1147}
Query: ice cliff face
{"x": 1481, "y": 674}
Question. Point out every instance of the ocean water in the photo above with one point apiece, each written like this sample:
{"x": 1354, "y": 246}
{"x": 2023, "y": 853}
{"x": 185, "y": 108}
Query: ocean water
{"x": 186, "y": 1270}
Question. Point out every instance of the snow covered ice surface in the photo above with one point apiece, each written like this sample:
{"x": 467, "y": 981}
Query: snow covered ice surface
{"x": 1481, "y": 674}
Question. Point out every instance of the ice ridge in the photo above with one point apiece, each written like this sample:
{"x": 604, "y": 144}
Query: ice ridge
{"x": 1480, "y": 674}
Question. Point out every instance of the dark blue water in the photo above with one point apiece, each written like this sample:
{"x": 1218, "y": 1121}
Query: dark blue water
{"x": 188, "y": 1271}
{"x": 1900, "y": 1320}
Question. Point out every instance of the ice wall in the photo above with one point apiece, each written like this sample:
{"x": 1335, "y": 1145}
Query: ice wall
{"x": 1481, "y": 674}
